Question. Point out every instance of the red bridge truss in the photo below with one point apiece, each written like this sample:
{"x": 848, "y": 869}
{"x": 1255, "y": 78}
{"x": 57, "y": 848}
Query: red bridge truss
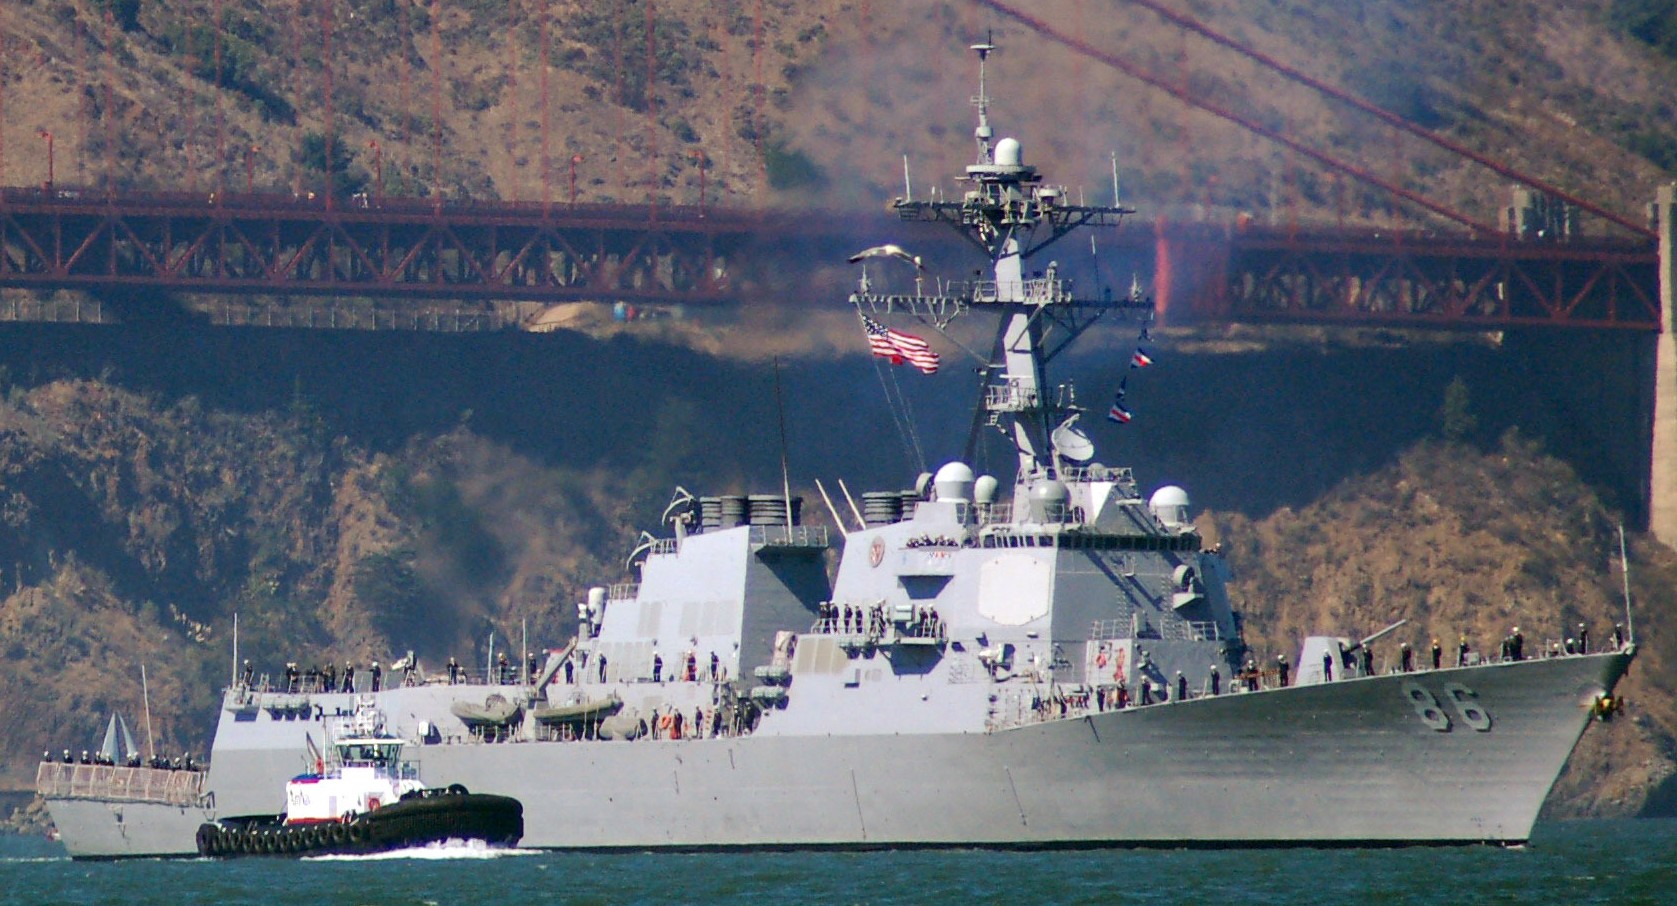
{"x": 407, "y": 248}
{"x": 391, "y": 247}
{"x": 1405, "y": 279}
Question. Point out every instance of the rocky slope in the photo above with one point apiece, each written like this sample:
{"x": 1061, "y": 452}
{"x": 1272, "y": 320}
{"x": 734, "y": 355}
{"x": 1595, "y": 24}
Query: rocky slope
{"x": 133, "y": 525}
{"x": 787, "y": 103}
{"x": 132, "y": 532}
{"x": 133, "y": 529}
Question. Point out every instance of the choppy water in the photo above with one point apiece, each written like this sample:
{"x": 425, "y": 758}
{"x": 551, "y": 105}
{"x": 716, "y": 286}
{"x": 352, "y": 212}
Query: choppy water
{"x": 1567, "y": 863}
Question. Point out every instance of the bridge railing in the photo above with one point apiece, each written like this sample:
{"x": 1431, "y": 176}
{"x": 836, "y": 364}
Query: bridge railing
{"x": 332, "y": 317}
{"x": 210, "y": 201}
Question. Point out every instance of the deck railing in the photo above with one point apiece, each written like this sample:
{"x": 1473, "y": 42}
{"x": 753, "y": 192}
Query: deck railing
{"x": 810, "y": 536}
{"x": 54, "y": 780}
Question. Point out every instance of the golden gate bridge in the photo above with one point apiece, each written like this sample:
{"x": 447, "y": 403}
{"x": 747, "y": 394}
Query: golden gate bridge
{"x": 413, "y": 249}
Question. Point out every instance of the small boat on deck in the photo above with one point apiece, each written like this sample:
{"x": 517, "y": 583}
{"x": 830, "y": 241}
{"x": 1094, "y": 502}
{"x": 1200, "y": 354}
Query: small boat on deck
{"x": 495, "y": 711}
{"x": 583, "y": 712}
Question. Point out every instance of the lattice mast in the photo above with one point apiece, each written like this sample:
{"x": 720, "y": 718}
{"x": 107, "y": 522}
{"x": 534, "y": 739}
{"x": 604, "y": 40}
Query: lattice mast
{"x": 1009, "y": 213}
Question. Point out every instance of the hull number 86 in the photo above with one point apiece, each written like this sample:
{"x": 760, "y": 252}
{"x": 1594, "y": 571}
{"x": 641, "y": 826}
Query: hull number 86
{"x": 1458, "y": 699}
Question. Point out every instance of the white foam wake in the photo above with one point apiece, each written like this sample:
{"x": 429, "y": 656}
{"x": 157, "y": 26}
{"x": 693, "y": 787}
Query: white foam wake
{"x": 449, "y": 849}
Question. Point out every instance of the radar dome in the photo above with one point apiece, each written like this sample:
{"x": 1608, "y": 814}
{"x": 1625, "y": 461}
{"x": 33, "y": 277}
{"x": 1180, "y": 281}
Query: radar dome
{"x": 1008, "y": 153}
{"x": 1049, "y": 490}
{"x": 1048, "y": 500}
{"x": 922, "y": 485}
{"x": 953, "y": 482}
{"x": 984, "y": 489}
{"x": 1070, "y": 441}
{"x": 1170, "y": 505}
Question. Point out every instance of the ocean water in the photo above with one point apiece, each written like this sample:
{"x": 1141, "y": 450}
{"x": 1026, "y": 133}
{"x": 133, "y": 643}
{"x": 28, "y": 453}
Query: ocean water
{"x": 1567, "y": 863}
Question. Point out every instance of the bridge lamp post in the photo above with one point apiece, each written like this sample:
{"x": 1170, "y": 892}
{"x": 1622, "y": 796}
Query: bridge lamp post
{"x": 42, "y": 133}
{"x": 378, "y": 171}
{"x": 250, "y": 169}
{"x": 575, "y": 159}
{"x": 699, "y": 155}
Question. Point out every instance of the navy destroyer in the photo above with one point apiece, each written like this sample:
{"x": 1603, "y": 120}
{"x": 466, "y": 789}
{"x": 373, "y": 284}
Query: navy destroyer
{"x": 1046, "y": 658}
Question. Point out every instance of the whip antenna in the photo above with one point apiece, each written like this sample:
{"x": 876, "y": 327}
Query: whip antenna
{"x": 145, "y": 694}
{"x": 1624, "y": 570}
{"x": 785, "y": 475}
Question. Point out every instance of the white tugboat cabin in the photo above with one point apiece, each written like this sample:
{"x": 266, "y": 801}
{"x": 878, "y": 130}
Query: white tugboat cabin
{"x": 363, "y": 771}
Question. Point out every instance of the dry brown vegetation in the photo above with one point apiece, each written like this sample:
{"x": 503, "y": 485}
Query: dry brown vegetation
{"x": 825, "y": 105}
{"x": 132, "y": 529}
{"x": 133, "y": 532}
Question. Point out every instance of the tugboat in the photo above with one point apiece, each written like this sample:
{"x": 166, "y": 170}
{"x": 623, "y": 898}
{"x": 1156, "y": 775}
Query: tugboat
{"x": 363, "y": 798}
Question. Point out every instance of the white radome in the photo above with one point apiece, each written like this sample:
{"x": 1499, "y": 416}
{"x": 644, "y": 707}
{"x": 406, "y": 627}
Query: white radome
{"x": 953, "y": 482}
{"x": 1170, "y": 504}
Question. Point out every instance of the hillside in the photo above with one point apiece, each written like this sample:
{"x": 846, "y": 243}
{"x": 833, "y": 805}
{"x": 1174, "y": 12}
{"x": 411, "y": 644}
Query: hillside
{"x": 134, "y": 532}
{"x": 351, "y": 497}
{"x": 792, "y": 103}
{"x": 136, "y": 524}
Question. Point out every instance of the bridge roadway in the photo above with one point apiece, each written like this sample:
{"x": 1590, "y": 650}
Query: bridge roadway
{"x": 417, "y": 249}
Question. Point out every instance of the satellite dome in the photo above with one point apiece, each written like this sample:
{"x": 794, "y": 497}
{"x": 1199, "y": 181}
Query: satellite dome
{"x": 984, "y": 489}
{"x": 1008, "y": 153}
{"x": 1049, "y": 499}
{"x": 1170, "y": 505}
{"x": 953, "y": 482}
{"x": 1070, "y": 442}
{"x": 1050, "y": 491}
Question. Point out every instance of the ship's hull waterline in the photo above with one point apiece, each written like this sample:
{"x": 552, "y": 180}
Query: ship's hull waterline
{"x": 1351, "y": 762}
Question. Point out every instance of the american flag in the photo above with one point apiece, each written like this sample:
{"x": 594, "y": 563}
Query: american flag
{"x": 898, "y": 347}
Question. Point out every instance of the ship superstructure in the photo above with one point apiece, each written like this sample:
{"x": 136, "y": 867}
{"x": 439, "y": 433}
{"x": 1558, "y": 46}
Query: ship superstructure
{"x": 1042, "y": 658}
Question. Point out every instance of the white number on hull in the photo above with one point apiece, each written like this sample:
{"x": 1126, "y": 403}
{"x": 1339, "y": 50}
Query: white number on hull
{"x": 1426, "y": 707}
{"x": 1464, "y": 700}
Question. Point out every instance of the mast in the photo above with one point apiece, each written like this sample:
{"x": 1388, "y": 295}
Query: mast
{"x": 983, "y": 132}
{"x": 1011, "y": 215}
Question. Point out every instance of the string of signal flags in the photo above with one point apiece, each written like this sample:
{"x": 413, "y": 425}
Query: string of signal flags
{"x": 1120, "y": 414}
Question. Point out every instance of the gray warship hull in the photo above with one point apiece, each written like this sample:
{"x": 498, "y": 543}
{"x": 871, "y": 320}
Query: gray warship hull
{"x": 1349, "y": 762}
{"x": 116, "y": 829}
{"x": 115, "y": 811}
